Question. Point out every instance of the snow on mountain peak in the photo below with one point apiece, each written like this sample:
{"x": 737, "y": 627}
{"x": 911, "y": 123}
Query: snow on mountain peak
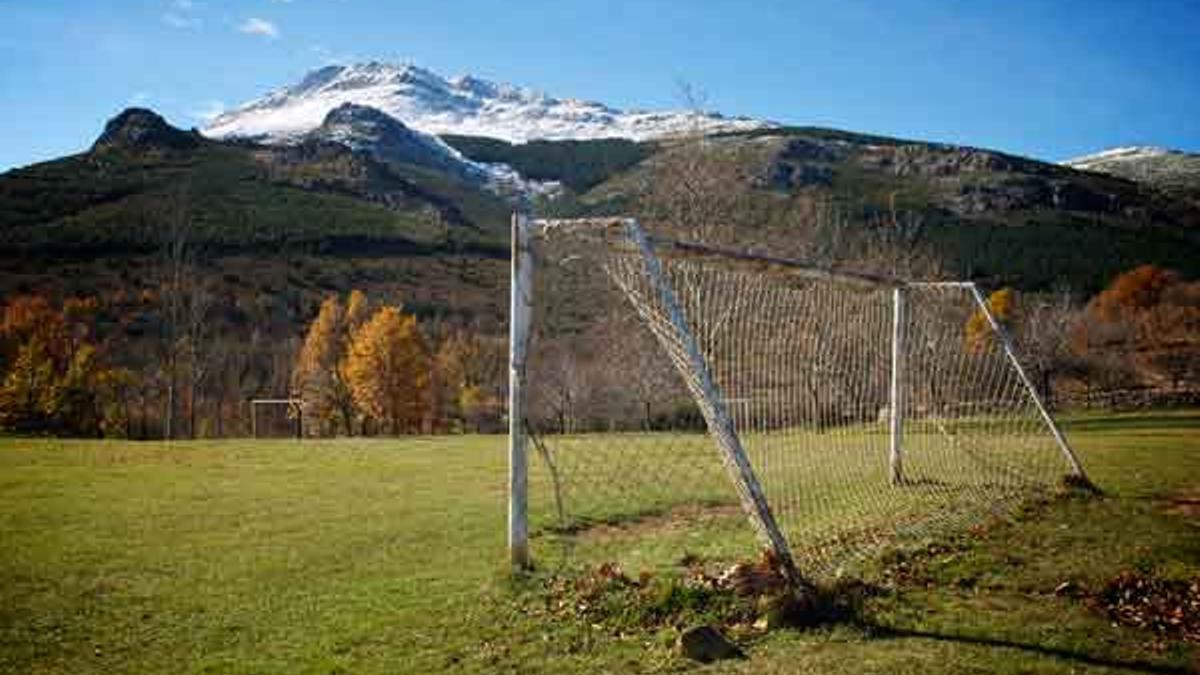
{"x": 466, "y": 105}
{"x": 388, "y": 139}
{"x": 1129, "y": 153}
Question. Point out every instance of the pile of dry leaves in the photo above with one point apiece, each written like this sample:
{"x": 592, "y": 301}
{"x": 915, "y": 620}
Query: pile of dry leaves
{"x": 1169, "y": 607}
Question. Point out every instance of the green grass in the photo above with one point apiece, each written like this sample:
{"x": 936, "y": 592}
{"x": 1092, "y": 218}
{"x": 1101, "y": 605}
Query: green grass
{"x": 830, "y": 490}
{"x": 384, "y": 556}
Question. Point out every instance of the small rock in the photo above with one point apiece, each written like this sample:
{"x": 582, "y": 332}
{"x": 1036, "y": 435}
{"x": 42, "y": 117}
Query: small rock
{"x": 706, "y": 644}
{"x": 1067, "y": 588}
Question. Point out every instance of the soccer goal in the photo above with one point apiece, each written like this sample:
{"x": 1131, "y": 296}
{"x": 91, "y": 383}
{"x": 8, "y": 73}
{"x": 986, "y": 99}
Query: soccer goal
{"x": 663, "y": 394}
{"x": 276, "y": 418}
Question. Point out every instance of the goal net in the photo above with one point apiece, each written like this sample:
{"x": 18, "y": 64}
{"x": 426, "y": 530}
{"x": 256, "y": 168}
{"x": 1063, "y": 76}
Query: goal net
{"x": 669, "y": 394}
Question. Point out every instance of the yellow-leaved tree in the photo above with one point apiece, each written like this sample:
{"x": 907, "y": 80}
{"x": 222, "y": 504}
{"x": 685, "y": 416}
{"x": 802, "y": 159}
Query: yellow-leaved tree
{"x": 387, "y": 369}
{"x": 316, "y": 378}
{"x": 977, "y": 334}
{"x": 53, "y": 378}
{"x": 358, "y": 310}
{"x": 469, "y": 368}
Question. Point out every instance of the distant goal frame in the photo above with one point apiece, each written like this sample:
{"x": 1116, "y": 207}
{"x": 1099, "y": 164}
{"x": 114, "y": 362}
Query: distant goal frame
{"x": 292, "y": 404}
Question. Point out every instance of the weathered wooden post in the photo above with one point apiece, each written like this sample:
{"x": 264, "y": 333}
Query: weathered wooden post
{"x": 299, "y": 420}
{"x": 1006, "y": 342}
{"x": 519, "y": 319}
{"x": 896, "y": 409}
{"x": 714, "y": 407}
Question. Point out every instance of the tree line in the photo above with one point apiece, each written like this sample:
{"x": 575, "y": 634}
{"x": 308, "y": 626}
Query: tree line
{"x": 154, "y": 366}
{"x": 364, "y": 370}
{"x": 1141, "y": 332}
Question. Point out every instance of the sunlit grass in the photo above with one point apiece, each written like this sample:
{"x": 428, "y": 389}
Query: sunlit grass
{"x": 384, "y": 556}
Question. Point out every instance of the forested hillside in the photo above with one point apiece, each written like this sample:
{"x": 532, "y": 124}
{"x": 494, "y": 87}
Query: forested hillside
{"x": 980, "y": 214}
{"x": 202, "y": 263}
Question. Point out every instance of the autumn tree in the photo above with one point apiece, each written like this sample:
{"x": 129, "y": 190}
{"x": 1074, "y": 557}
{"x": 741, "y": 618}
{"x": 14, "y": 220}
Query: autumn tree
{"x": 977, "y": 333}
{"x": 469, "y": 370}
{"x": 1147, "y": 319}
{"x": 387, "y": 369}
{"x": 55, "y": 379}
{"x": 25, "y": 317}
{"x": 358, "y": 310}
{"x": 1131, "y": 292}
{"x": 316, "y": 379}
{"x": 25, "y": 392}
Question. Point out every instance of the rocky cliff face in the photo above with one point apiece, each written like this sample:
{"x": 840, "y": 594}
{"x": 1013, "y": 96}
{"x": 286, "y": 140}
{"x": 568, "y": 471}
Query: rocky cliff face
{"x": 142, "y": 129}
{"x": 964, "y": 181}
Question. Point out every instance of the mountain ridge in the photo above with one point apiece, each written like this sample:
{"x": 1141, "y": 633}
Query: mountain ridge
{"x": 365, "y": 178}
{"x": 371, "y": 130}
{"x": 463, "y": 105}
{"x": 1176, "y": 172}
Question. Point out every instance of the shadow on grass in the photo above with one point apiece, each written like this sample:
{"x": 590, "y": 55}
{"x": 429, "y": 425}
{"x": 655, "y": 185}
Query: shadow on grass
{"x": 877, "y": 631}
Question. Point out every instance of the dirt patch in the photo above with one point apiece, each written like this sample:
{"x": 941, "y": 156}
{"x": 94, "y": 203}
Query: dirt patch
{"x": 674, "y": 519}
{"x": 1184, "y": 505}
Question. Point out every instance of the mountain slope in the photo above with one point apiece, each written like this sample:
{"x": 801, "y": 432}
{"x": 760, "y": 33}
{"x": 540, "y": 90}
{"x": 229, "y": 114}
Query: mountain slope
{"x": 142, "y": 173}
{"x": 388, "y": 139}
{"x": 981, "y": 214}
{"x": 1171, "y": 170}
{"x": 579, "y": 165}
{"x": 465, "y": 105}
{"x": 367, "y": 203}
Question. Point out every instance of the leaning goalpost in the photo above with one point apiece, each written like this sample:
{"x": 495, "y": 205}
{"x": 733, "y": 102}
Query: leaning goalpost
{"x": 845, "y": 409}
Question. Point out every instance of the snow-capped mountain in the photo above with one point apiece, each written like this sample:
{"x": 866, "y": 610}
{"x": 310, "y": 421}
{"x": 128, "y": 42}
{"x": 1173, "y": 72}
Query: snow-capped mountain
{"x": 1107, "y": 158}
{"x": 1172, "y": 170}
{"x": 387, "y": 139}
{"x": 426, "y": 101}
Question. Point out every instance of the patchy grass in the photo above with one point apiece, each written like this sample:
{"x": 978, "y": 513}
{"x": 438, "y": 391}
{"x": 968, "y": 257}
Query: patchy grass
{"x": 383, "y": 556}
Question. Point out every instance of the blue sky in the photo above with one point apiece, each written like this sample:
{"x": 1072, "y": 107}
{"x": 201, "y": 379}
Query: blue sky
{"x": 1049, "y": 79}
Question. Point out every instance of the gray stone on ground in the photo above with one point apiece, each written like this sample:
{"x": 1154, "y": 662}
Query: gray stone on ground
{"x": 706, "y": 644}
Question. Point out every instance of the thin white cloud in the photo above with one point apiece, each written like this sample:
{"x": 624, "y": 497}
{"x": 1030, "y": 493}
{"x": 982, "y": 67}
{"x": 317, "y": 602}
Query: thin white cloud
{"x": 139, "y": 99}
{"x": 259, "y": 27}
{"x": 185, "y": 5}
{"x": 329, "y": 57}
{"x": 177, "y": 20}
{"x": 208, "y": 110}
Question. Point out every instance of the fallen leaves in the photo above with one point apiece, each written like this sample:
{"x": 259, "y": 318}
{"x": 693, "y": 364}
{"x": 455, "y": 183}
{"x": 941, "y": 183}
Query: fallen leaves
{"x": 1168, "y": 607}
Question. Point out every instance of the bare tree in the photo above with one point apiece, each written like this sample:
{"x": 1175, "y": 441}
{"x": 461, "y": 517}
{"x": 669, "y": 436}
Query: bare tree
{"x": 175, "y": 261}
{"x": 198, "y": 339}
{"x": 1045, "y": 328}
{"x": 186, "y": 302}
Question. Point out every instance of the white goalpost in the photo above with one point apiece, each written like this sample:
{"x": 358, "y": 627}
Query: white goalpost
{"x": 840, "y": 412}
{"x": 292, "y": 409}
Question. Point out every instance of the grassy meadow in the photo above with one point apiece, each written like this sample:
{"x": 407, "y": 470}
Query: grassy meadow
{"x": 387, "y": 555}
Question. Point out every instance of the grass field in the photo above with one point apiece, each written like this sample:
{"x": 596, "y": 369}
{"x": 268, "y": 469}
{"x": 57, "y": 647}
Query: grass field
{"x": 829, "y": 490}
{"x": 384, "y": 556}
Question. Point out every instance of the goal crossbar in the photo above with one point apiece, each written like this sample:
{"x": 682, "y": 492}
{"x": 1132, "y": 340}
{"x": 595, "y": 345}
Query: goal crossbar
{"x": 674, "y": 248}
{"x": 293, "y": 404}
